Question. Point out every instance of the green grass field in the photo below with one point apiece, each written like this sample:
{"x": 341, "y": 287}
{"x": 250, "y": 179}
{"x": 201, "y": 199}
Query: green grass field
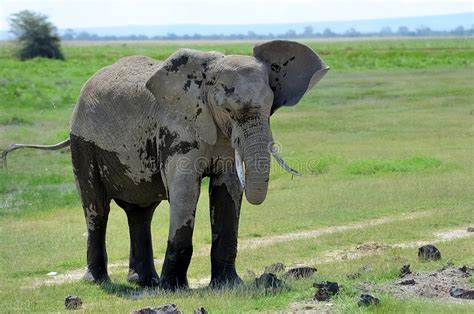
{"x": 387, "y": 136}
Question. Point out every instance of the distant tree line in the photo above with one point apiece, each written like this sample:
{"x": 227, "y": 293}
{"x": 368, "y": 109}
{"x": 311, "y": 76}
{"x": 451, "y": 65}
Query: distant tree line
{"x": 308, "y": 32}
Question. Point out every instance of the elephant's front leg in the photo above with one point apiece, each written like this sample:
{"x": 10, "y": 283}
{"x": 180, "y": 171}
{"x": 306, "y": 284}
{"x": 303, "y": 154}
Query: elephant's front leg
{"x": 225, "y": 194}
{"x": 183, "y": 196}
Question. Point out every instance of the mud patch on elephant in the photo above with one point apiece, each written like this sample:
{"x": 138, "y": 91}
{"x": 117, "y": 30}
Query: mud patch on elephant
{"x": 176, "y": 63}
{"x": 435, "y": 284}
{"x": 171, "y": 145}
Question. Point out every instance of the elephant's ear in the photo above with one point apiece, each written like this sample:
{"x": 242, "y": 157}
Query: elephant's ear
{"x": 293, "y": 70}
{"x": 179, "y": 87}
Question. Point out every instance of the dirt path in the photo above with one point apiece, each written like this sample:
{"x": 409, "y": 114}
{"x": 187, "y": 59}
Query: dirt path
{"x": 373, "y": 248}
{"x": 249, "y": 244}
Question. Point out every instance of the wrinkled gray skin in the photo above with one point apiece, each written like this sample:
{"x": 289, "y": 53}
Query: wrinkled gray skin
{"x": 144, "y": 131}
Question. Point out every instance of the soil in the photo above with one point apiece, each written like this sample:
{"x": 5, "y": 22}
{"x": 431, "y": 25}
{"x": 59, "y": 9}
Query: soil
{"x": 435, "y": 284}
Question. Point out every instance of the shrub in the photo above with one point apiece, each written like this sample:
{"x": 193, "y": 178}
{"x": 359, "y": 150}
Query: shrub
{"x": 36, "y": 35}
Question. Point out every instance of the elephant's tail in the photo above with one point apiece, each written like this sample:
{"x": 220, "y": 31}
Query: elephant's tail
{"x": 13, "y": 147}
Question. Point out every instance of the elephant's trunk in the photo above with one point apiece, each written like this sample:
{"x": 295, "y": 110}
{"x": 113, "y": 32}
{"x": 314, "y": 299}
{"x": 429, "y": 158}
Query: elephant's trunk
{"x": 255, "y": 144}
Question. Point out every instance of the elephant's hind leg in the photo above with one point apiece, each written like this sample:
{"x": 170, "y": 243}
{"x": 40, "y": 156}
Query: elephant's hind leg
{"x": 141, "y": 266}
{"x": 96, "y": 206}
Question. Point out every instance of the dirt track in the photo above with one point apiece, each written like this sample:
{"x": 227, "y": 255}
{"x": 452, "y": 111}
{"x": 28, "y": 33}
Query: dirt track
{"x": 325, "y": 257}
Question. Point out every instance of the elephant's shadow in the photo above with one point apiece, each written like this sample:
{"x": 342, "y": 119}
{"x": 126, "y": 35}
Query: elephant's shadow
{"x": 134, "y": 292}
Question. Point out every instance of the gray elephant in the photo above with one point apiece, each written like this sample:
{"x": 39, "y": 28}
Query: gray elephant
{"x": 144, "y": 131}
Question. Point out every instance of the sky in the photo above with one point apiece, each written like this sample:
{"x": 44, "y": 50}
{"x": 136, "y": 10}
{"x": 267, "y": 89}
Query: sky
{"x": 99, "y": 13}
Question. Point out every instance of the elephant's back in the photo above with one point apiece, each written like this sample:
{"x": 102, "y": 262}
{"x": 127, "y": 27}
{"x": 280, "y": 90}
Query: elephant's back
{"x": 115, "y": 99}
{"x": 117, "y": 114}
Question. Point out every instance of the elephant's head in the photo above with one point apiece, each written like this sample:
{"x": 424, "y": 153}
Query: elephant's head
{"x": 207, "y": 91}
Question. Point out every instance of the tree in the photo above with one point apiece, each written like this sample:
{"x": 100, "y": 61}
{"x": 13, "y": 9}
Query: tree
{"x": 36, "y": 35}
{"x": 308, "y": 32}
{"x": 386, "y": 31}
{"x": 328, "y": 33}
{"x": 404, "y": 31}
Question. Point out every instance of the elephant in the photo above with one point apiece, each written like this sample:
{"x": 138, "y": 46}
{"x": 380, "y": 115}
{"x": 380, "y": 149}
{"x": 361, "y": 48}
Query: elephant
{"x": 144, "y": 131}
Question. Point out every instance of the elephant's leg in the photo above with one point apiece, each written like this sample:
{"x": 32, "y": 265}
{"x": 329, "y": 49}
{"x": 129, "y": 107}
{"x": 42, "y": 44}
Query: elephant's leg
{"x": 183, "y": 196}
{"x": 141, "y": 266}
{"x": 96, "y": 217}
{"x": 225, "y": 197}
{"x": 96, "y": 206}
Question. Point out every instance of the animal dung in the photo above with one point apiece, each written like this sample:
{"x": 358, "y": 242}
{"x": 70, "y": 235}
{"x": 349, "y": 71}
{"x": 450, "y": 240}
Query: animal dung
{"x": 301, "y": 272}
{"x": 429, "y": 253}
{"x": 405, "y": 270}
{"x": 367, "y": 300}
{"x": 325, "y": 290}
{"x": 408, "y": 282}
{"x": 72, "y": 302}
{"x": 268, "y": 281}
{"x": 200, "y": 310}
{"x": 163, "y": 309}
{"x": 462, "y": 293}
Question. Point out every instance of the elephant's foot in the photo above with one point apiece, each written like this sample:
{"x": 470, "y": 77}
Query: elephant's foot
{"x": 228, "y": 279}
{"x": 96, "y": 277}
{"x": 149, "y": 280}
{"x": 173, "y": 283}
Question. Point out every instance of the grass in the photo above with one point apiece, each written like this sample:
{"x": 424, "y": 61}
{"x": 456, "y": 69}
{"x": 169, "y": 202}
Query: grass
{"x": 388, "y": 132}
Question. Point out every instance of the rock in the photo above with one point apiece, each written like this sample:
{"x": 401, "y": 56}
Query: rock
{"x": 268, "y": 281}
{"x": 52, "y": 273}
{"x": 301, "y": 272}
{"x": 408, "y": 282}
{"x": 466, "y": 270}
{"x": 163, "y": 309}
{"x": 275, "y": 268}
{"x": 325, "y": 290}
{"x": 367, "y": 299}
{"x": 470, "y": 229}
{"x": 200, "y": 310}
{"x": 429, "y": 252}
{"x": 405, "y": 270}
{"x": 462, "y": 293}
{"x": 72, "y": 302}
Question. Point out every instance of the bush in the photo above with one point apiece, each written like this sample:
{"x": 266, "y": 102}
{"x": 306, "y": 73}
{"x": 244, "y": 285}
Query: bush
{"x": 36, "y": 35}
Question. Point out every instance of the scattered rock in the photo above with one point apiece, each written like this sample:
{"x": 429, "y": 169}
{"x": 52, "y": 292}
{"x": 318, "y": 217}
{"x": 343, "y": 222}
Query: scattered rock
{"x": 408, "y": 282}
{"x": 325, "y": 290}
{"x": 466, "y": 270}
{"x": 275, "y": 268}
{"x": 367, "y": 299}
{"x": 301, "y": 272}
{"x": 268, "y": 281}
{"x": 405, "y": 270}
{"x": 200, "y": 310}
{"x": 470, "y": 229}
{"x": 72, "y": 302}
{"x": 462, "y": 293}
{"x": 429, "y": 252}
{"x": 164, "y": 309}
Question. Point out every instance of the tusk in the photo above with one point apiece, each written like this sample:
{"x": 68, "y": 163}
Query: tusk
{"x": 281, "y": 162}
{"x": 239, "y": 166}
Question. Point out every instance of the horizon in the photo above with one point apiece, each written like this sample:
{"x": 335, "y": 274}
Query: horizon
{"x": 63, "y": 14}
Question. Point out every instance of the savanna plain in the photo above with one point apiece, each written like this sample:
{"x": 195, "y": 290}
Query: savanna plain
{"x": 385, "y": 142}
